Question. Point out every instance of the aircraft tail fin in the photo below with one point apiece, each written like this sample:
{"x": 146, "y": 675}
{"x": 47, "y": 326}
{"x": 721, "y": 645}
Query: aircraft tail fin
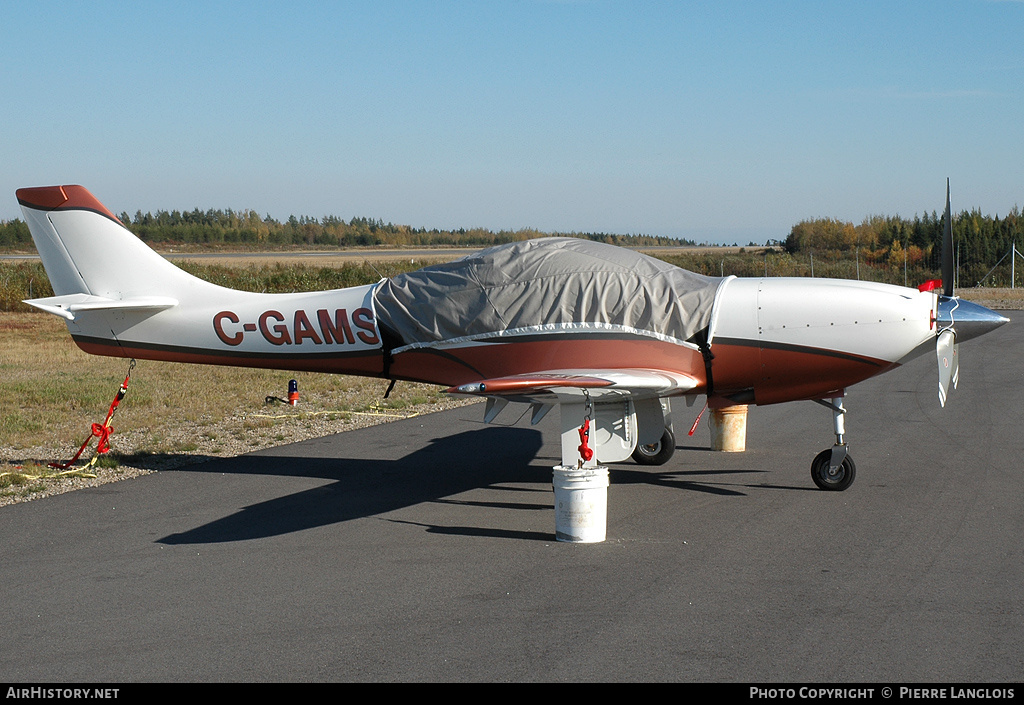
{"x": 86, "y": 251}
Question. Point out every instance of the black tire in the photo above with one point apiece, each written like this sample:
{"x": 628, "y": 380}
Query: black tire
{"x": 656, "y": 453}
{"x": 832, "y": 483}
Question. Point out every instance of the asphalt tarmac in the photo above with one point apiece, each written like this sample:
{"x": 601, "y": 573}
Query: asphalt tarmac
{"x": 423, "y": 550}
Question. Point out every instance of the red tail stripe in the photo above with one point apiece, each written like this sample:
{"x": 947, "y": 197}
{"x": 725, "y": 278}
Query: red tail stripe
{"x": 72, "y": 197}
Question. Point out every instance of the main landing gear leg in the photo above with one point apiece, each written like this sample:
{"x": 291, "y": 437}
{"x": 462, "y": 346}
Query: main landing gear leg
{"x": 833, "y": 468}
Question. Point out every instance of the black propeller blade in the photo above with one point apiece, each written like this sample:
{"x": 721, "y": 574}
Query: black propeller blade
{"x": 947, "y": 248}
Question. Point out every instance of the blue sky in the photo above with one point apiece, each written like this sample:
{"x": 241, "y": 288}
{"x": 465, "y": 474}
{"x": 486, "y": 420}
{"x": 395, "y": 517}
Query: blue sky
{"x": 717, "y": 121}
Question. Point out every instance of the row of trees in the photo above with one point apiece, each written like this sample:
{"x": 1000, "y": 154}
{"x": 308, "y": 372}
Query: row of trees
{"x": 889, "y": 246}
{"x": 14, "y": 235}
{"x": 248, "y": 229}
{"x": 979, "y": 241}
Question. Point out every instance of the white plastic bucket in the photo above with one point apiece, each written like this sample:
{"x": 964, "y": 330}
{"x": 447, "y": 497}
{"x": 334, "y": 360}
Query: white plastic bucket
{"x": 581, "y": 503}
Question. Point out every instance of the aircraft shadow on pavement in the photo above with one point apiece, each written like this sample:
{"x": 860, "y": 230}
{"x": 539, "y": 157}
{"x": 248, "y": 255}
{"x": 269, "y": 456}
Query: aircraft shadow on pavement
{"x": 678, "y": 479}
{"x": 446, "y": 467}
{"x": 367, "y": 487}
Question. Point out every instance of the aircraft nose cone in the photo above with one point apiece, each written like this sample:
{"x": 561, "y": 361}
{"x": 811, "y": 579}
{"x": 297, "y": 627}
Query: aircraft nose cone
{"x": 969, "y": 319}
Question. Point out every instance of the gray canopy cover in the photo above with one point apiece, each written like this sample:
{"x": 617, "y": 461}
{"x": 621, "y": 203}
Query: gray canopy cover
{"x": 545, "y": 285}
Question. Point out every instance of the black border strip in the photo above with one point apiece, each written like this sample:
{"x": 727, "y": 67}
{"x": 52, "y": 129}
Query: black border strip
{"x": 224, "y": 354}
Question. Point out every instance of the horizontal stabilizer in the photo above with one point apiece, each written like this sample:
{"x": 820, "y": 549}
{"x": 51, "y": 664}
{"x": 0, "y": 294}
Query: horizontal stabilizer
{"x": 68, "y": 305}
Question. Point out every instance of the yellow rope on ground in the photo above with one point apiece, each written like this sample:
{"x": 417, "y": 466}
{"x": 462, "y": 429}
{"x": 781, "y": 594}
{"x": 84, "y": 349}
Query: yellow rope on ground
{"x": 69, "y": 473}
{"x": 373, "y": 412}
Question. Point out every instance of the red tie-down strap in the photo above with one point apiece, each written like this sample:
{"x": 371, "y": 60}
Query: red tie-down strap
{"x": 101, "y": 431}
{"x": 586, "y": 452}
{"x": 697, "y": 420}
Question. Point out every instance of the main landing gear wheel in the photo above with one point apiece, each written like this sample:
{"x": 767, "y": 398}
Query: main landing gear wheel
{"x": 830, "y": 481}
{"x": 656, "y": 453}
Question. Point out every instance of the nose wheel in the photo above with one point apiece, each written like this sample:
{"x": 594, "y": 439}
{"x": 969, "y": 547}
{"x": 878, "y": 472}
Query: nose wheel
{"x": 832, "y": 478}
{"x": 833, "y": 470}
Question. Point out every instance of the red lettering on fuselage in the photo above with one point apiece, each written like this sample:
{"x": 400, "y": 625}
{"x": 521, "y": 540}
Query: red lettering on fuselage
{"x": 278, "y": 335}
{"x": 218, "y": 327}
{"x": 339, "y": 331}
{"x": 363, "y": 318}
{"x": 304, "y": 330}
{"x": 273, "y": 326}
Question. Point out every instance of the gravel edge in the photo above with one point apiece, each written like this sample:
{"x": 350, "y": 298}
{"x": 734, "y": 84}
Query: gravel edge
{"x": 230, "y": 441}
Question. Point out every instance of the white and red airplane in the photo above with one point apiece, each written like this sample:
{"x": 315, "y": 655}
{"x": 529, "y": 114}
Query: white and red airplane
{"x": 606, "y": 334}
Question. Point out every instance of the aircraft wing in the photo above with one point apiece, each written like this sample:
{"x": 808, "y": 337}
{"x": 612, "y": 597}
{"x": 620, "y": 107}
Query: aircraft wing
{"x": 617, "y": 430}
{"x": 600, "y": 385}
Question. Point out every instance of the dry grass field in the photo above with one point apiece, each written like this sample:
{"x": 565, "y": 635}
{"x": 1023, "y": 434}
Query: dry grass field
{"x": 996, "y": 299}
{"x": 51, "y": 393}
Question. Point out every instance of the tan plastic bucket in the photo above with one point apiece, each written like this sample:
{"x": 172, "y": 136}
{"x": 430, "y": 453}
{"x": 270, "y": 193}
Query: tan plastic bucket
{"x": 729, "y": 429}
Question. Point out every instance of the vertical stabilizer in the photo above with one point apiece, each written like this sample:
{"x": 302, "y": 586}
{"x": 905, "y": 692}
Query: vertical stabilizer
{"x": 86, "y": 250}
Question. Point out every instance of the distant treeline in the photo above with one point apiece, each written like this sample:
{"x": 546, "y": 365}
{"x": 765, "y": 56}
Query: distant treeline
{"x": 26, "y": 279}
{"x": 226, "y": 228}
{"x": 915, "y": 246}
{"x": 882, "y": 248}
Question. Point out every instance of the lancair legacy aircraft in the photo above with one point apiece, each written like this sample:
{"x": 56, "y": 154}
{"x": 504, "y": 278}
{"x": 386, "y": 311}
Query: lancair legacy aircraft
{"x": 606, "y": 334}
